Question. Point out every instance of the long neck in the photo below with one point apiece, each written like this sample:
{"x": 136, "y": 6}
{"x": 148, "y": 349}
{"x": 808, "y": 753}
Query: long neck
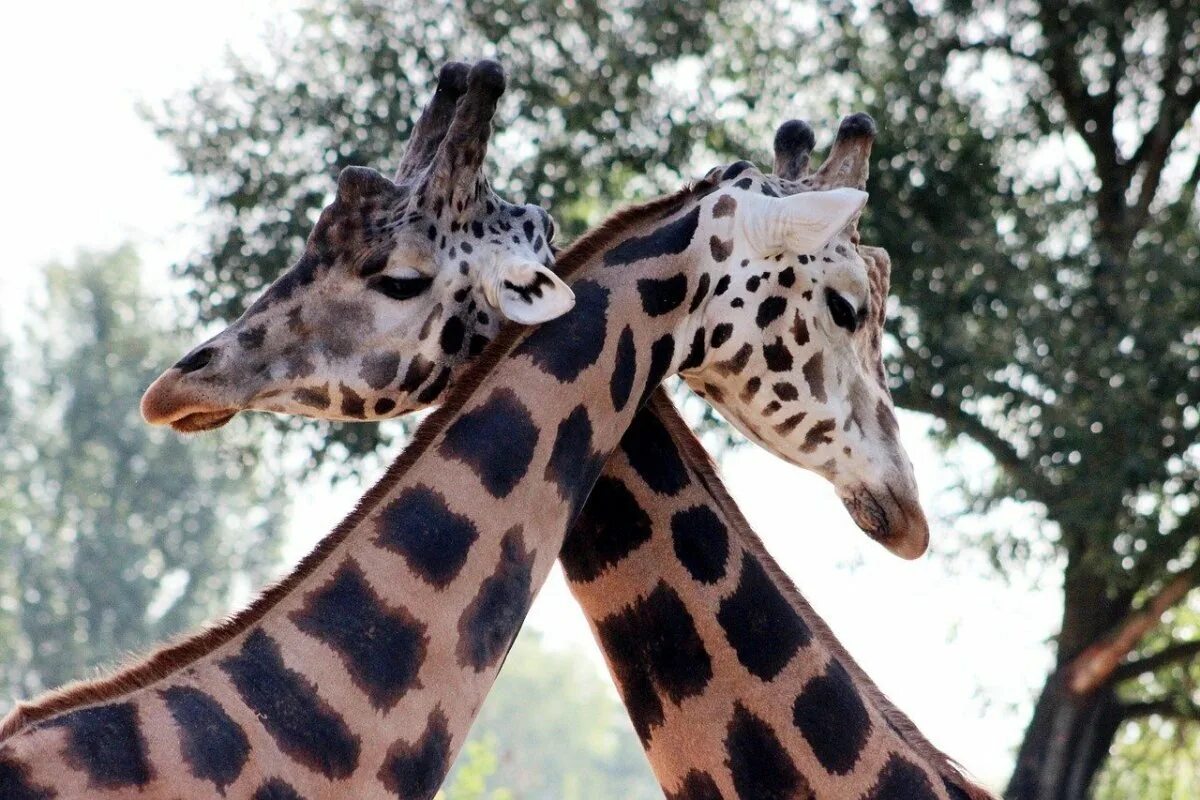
{"x": 360, "y": 674}
{"x": 736, "y": 687}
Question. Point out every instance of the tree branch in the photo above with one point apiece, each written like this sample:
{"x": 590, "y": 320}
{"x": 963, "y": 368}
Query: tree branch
{"x": 1175, "y": 708}
{"x": 1174, "y": 110}
{"x": 1181, "y": 651}
{"x": 1096, "y": 665}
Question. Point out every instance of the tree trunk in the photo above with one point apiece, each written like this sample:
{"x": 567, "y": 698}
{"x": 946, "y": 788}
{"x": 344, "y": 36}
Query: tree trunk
{"x": 1065, "y": 744}
{"x": 1067, "y": 740}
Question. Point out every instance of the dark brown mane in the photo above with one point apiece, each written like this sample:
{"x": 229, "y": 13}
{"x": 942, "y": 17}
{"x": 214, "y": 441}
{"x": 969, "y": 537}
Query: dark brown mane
{"x": 698, "y": 459}
{"x": 598, "y": 239}
{"x": 172, "y": 657}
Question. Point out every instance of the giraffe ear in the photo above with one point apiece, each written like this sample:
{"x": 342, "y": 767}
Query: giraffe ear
{"x": 811, "y": 219}
{"x": 797, "y": 223}
{"x": 527, "y": 292}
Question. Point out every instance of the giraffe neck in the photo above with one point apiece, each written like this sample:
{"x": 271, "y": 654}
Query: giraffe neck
{"x": 361, "y": 672}
{"x": 736, "y": 687}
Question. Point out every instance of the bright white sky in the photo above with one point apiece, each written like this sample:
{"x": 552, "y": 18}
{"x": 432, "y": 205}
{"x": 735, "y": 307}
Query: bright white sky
{"x": 962, "y": 654}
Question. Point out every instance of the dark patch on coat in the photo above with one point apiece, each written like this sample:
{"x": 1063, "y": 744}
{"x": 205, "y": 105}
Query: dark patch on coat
{"x": 785, "y": 391}
{"x": 725, "y": 206}
{"x": 15, "y": 783}
{"x": 620, "y": 385}
{"x": 901, "y": 779}
{"x": 701, "y": 542}
{"x": 719, "y": 248}
{"x": 670, "y": 239}
{"x": 814, "y": 374}
{"x": 779, "y": 358}
{"x": 433, "y": 539}
{"x": 831, "y": 716}
{"x": 770, "y": 310}
{"x": 761, "y": 767}
{"x": 312, "y": 396}
{"x": 276, "y": 789}
{"x": 287, "y": 705}
{"x": 786, "y": 427}
{"x": 760, "y": 625}
{"x": 253, "y": 337}
{"x": 696, "y": 352}
{"x": 701, "y": 292}
{"x": 379, "y": 369}
{"x": 737, "y": 362}
{"x": 735, "y": 169}
{"x": 573, "y": 465}
{"x": 720, "y": 334}
{"x": 654, "y": 648}
{"x": 415, "y": 771}
{"x": 107, "y": 744}
{"x": 610, "y": 527}
{"x": 214, "y": 747}
{"x": 496, "y": 439}
{"x": 566, "y": 346}
{"x": 799, "y": 330}
{"x": 418, "y": 370}
{"x": 353, "y": 404}
{"x": 661, "y": 353}
{"x": 696, "y": 785}
{"x": 653, "y": 455}
{"x": 452, "y": 336}
{"x": 435, "y": 387}
{"x": 382, "y": 648}
{"x": 490, "y": 623}
{"x": 818, "y": 435}
{"x": 662, "y": 296}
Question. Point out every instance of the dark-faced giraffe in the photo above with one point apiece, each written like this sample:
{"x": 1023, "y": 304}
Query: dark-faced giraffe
{"x": 437, "y": 566}
{"x": 659, "y": 537}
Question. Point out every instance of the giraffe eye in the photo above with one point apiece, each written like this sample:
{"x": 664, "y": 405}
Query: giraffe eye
{"x": 400, "y": 288}
{"x": 841, "y": 311}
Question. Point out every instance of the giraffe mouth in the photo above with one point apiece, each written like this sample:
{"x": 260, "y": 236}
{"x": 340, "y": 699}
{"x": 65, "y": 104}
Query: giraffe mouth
{"x": 902, "y": 531}
{"x": 202, "y": 421}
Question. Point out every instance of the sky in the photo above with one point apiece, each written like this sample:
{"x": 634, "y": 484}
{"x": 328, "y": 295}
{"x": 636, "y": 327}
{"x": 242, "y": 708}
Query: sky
{"x": 957, "y": 648}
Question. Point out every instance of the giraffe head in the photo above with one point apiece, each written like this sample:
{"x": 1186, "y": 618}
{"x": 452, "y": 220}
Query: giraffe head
{"x": 788, "y": 344}
{"x": 401, "y": 281}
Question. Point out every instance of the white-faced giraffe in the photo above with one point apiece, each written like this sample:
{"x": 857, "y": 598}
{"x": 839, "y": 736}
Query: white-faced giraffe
{"x": 658, "y": 535}
{"x": 425, "y": 584}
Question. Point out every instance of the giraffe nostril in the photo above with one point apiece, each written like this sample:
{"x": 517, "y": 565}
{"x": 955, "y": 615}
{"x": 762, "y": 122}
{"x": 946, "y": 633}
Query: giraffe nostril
{"x": 197, "y": 360}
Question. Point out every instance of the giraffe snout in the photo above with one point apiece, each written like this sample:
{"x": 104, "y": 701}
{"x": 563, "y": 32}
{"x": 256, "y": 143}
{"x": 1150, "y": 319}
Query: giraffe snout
{"x": 178, "y": 400}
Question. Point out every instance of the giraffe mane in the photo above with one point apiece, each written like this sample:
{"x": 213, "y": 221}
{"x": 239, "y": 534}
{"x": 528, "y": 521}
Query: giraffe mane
{"x": 698, "y": 459}
{"x": 143, "y": 671}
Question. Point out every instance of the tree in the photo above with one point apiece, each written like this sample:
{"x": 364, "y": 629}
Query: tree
{"x": 119, "y": 535}
{"x": 1051, "y": 314}
{"x": 1035, "y": 182}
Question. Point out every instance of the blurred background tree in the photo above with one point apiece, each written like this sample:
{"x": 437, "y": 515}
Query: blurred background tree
{"x": 1035, "y": 181}
{"x": 117, "y": 536}
{"x": 551, "y": 729}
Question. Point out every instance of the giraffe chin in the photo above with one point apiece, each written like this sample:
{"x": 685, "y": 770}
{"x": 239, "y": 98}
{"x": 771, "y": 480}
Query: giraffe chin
{"x": 201, "y": 421}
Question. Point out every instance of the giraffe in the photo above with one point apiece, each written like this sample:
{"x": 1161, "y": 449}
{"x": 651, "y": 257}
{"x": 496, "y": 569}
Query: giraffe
{"x": 429, "y": 577}
{"x": 637, "y": 550}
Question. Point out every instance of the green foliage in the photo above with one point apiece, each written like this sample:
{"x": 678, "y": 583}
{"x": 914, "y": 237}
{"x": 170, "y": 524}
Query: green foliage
{"x": 116, "y": 535}
{"x": 551, "y": 729}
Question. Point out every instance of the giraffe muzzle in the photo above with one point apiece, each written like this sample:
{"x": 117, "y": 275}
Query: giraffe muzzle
{"x": 898, "y": 525}
{"x": 169, "y": 403}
